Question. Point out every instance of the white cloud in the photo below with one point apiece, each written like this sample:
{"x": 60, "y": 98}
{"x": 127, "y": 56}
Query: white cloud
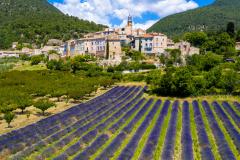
{"x": 145, "y": 25}
{"x": 102, "y": 11}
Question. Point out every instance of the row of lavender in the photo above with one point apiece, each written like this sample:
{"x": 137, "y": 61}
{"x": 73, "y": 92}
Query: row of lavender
{"x": 25, "y": 141}
{"x": 118, "y": 123}
{"x": 149, "y": 110}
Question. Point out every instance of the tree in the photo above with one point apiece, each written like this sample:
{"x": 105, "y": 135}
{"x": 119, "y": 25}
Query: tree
{"x": 162, "y": 59}
{"x": 231, "y": 29}
{"x": 43, "y": 105}
{"x": 204, "y": 62}
{"x": 135, "y": 55}
{"x": 55, "y": 65}
{"x": 228, "y": 81}
{"x": 176, "y": 56}
{"x": 196, "y": 38}
{"x": 110, "y": 69}
{"x": 8, "y": 117}
{"x": 25, "y": 57}
{"x": 107, "y": 49}
{"x": 238, "y": 64}
{"x": 35, "y": 60}
{"x": 23, "y": 103}
{"x": 58, "y": 93}
{"x": 238, "y": 36}
{"x": 53, "y": 52}
{"x": 140, "y": 45}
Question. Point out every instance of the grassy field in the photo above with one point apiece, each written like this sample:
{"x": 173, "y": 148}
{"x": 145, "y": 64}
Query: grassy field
{"x": 26, "y": 66}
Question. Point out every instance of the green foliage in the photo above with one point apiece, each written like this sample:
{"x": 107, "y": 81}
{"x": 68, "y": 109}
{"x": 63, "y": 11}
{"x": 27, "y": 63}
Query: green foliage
{"x": 35, "y": 60}
{"x": 110, "y": 69}
{"x": 23, "y": 102}
{"x": 175, "y": 83}
{"x": 134, "y": 77}
{"x": 196, "y": 38}
{"x": 204, "y": 75}
{"x": 172, "y": 58}
{"x": 37, "y": 21}
{"x": 237, "y": 66}
{"x": 153, "y": 77}
{"x": 55, "y": 65}
{"x": 229, "y": 81}
{"x": 204, "y": 62}
{"x": 7, "y": 63}
{"x": 238, "y": 36}
{"x": 210, "y": 18}
{"x": 43, "y": 105}
{"x": 5, "y": 67}
{"x": 133, "y": 66}
{"x": 78, "y": 63}
{"x": 231, "y": 29}
{"x": 135, "y": 55}
{"x": 8, "y": 117}
{"x": 85, "y": 58}
{"x": 52, "y": 52}
{"x": 16, "y": 85}
{"x": 107, "y": 50}
{"x": 218, "y": 42}
{"x": 25, "y": 57}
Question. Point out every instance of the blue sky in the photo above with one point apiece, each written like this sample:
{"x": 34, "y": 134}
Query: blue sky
{"x": 114, "y": 12}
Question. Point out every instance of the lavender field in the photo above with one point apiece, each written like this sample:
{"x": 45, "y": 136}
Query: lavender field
{"x": 122, "y": 125}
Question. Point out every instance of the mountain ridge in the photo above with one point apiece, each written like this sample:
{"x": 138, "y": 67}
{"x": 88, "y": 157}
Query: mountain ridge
{"x": 213, "y": 17}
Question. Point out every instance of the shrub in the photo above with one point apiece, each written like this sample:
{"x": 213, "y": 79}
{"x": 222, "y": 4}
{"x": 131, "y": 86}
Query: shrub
{"x": 25, "y": 57}
{"x": 35, "y": 60}
{"x": 110, "y": 69}
{"x": 54, "y": 65}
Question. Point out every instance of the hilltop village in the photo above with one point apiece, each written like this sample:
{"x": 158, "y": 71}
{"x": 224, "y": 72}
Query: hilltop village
{"x": 107, "y": 45}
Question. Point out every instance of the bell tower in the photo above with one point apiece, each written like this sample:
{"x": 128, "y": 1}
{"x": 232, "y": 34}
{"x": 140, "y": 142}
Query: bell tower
{"x": 130, "y": 21}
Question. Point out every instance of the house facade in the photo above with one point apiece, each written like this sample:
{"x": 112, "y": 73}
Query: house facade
{"x": 152, "y": 43}
{"x": 108, "y": 44}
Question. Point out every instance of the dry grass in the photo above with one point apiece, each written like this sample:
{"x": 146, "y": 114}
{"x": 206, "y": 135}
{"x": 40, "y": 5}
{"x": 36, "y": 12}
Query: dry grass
{"x": 132, "y": 84}
{"x": 219, "y": 98}
{"x": 22, "y": 120}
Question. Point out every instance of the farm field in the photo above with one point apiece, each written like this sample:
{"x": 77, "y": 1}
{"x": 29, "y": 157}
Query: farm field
{"x": 121, "y": 125}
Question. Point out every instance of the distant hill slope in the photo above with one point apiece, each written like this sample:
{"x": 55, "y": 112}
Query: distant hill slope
{"x": 36, "y": 21}
{"x": 212, "y": 17}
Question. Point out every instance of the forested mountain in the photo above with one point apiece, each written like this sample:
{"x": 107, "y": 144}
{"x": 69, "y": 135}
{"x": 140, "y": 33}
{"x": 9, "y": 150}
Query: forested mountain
{"x": 36, "y": 21}
{"x": 210, "y": 18}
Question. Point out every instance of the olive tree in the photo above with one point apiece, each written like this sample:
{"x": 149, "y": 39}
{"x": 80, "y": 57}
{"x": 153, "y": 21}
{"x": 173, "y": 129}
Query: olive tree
{"x": 23, "y": 103}
{"x": 8, "y": 117}
{"x": 43, "y": 105}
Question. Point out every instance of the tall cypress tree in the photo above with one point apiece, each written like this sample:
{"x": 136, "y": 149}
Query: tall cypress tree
{"x": 231, "y": 29}
{"x": 107, "y": 50}
{"x": 140, "y": 45}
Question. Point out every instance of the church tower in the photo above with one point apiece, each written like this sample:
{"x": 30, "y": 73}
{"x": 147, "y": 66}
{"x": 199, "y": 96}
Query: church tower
{"x": 129, "y": 27}
{"x": 130, "y": 21}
